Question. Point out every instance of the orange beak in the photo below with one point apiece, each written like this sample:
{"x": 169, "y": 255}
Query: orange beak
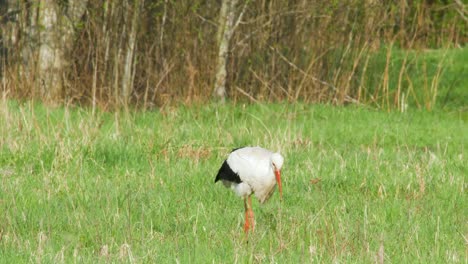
{"x": 278, "y": 180}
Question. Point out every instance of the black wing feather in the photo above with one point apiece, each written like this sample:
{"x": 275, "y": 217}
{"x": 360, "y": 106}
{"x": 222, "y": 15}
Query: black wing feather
{"x": 227, "y": 174}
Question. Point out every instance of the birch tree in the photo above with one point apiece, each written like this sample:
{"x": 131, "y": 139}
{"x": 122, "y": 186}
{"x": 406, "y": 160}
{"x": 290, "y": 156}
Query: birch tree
{"x": 226, "y": 28}
{"x": 57, "y": 29}
{"x": 129, "y": 65}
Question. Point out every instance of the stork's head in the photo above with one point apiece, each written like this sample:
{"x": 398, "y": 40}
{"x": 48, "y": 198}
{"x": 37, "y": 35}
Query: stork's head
{"x": 277, "y": 162}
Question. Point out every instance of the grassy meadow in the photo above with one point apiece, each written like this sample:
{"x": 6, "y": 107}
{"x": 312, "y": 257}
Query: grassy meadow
{"x": 360, "y": 185}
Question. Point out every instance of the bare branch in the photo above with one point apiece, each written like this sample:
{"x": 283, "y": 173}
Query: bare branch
{"x": 247, "y": 94}
{"x": 347, "y": 97}
{"x": 461, "y": 9}
{"x": 239, "y": 19}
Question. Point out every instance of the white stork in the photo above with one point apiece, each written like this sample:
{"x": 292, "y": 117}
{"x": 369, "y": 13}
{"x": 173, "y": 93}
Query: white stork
{"x": 250, "y": 170}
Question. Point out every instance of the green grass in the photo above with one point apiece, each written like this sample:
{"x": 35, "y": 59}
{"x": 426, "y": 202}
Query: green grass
{"x": 428, "y": 79}
{"x": 431, "y": 78}
{"x": 139, "y": 187}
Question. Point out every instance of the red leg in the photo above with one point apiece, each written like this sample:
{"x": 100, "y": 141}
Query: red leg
{"x": 246, "y": 225}
{"x": 249, "y": 215}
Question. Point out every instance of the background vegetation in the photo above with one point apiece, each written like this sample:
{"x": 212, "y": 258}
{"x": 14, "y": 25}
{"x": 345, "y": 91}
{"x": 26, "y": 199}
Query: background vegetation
{"x": 150, "y": 53}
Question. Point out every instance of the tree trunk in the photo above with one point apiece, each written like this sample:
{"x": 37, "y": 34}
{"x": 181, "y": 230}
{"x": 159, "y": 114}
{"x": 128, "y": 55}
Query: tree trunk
{"x": 225, "y": 31}
{"x": 127, "y": 80}
{"x": 51, "y": 57}
{"x": 56, "y": 39}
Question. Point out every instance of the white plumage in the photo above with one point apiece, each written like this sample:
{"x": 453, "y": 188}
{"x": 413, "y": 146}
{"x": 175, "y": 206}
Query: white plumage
{"x": 255, "y": 169}
{"x": 252, "y": 170}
